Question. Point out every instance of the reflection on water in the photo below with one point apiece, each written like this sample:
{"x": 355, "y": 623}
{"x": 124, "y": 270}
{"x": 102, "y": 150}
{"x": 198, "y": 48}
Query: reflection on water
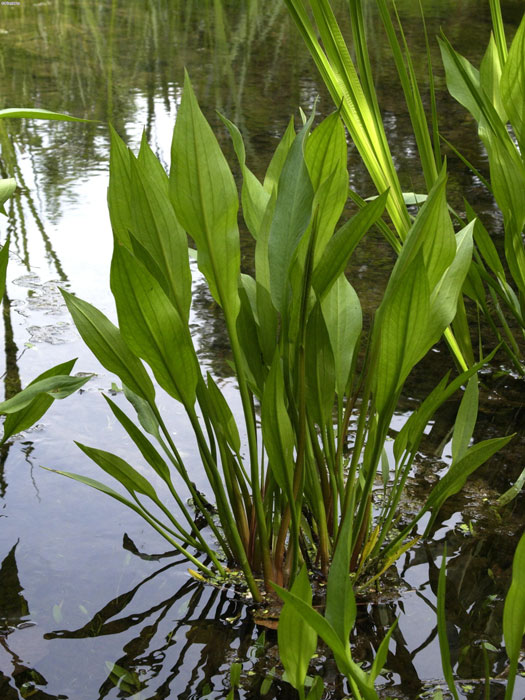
{"x": 81, "y": 616}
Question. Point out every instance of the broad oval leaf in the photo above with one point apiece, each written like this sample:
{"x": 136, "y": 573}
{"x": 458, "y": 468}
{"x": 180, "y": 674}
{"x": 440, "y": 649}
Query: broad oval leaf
{"x": 152, "y": 327}
{"x": 297, "y": 640}
{"x": 204, "y": 196}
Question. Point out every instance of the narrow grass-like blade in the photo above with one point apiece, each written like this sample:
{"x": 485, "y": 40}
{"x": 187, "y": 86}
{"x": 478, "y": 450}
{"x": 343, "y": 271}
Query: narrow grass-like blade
{"x": 4, "y": 259}
{"x": 514, "y": 615}
{"x": 442, "y": 627}
{"x": 513, "y": 84}
{"x": 465, "y": 419}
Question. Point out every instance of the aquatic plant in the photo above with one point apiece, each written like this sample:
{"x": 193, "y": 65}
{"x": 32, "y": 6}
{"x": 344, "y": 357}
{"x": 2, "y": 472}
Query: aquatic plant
{"x": 294, "y": 329}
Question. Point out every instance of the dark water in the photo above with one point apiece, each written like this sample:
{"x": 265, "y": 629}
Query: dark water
{"x": 79, "y": 587}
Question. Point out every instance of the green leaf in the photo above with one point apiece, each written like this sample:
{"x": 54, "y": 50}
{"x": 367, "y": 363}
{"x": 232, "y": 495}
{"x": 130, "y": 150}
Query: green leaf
{"x": 152, "y": 327}
{"x": 445, "y": 295}
{"x": 145, "y": 412}
{"x": 204, "y": 196}
{"x": 4, "y": 260}
{"x": 98, "y": 486}
{"x": 490, "y": 78}
{"x": 456, "y": 476}
{"x": 401, "y": 332}
{"x": 7, "y": 187}
{"x": 156, "y": 228}
{"x": 297, "y": 640}
{"x": 463, "y": 81}
{"x": 28, "y": 416}
{"x": 250, "y": 335}
{"x": 442, "y": 627}
{"x": 344, "y": 321}
{"x": 317, "y": 689}
{"x": 56, "y": 386}
{"x": 514, "y": 490}
{"x": 106, "y": 343}
{"x": 120, "y": 470}
{"x": 325, "y": 630}
{"x": 326, "y": 157}
{"x": 341, "y": 246}
{"x": 152, "y": 167}
{"x": 254, "y": 197}
{"x": 465, "y": 419}
{"x": 380, "y": 657}
{"x": 273, "y": 173}
{"x": 320, "y": 369}
{"x": 513, "y": 84}
{"x": 18, "y": 113}
{"x": 292, "y": 215}
{"x": 341, "y": 607}
{"x": 277, "y": 428}
{"x": 147, "y": 450}
{"x": 127, "y": 681}
{"x": 514, "y": 614}
{"x": 119, "y": 189}
{"x": 222, "y": 416}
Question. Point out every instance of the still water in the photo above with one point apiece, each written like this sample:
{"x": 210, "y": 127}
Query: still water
{"x": 83, "y": 586}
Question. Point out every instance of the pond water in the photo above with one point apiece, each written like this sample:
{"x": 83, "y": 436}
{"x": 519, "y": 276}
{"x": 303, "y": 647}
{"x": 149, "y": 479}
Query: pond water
{"x": 83, "y": 585}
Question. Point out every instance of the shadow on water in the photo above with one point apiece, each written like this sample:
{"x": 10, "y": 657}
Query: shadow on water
{"x": 164, "y": 641}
